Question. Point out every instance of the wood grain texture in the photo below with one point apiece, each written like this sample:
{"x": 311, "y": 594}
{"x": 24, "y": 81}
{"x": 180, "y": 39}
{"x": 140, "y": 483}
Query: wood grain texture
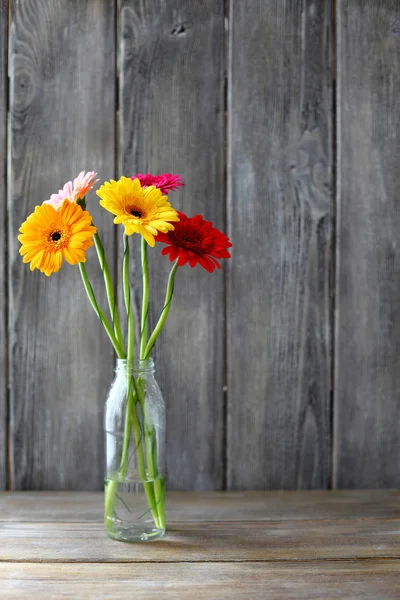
{"x": 367, "y": 404}
{"x": 171, "y": 120}
{"x": 62, "y": 120}
{"x": 354, "y": 554}
{"x": 213, "y": 541}
{"x": 280, "y": 222}
{"x": 3, "y": 243}
{"x": 211, "y": 506}
{"x": 367, "y": 580}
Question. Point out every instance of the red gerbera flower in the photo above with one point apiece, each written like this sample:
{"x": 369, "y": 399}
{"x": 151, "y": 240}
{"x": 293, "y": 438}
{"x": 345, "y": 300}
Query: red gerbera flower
{"x": 194, "y": 240}
{"x": 166, "y": 182}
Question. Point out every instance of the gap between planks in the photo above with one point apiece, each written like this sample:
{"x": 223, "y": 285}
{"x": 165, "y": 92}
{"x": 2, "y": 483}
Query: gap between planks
{"x": 277, "y": 561}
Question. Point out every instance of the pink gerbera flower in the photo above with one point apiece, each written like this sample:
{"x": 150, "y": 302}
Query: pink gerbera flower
{"x": 56, "y": 200}
{"x": 83, "y": 183}
{"x": 166, "y": 182}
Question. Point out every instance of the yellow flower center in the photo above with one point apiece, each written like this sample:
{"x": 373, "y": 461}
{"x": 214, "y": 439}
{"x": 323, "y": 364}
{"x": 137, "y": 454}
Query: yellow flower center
{"x": 56, "y": 239}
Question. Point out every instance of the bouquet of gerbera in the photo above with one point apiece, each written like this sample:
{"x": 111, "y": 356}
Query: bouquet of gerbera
{"x": 62, "y": 228}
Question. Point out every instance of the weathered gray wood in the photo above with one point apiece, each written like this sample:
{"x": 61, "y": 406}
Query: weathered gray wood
{"x": 3, "y": 238}
{"x": 211, "y": 506}
{"x": 171, "y": 120}
{"x": 366, "y": 580}
{"x": 212, "y": 541}
{"x": 239, "y": 553}
{"x": 367, "y": 390}
{"x": 280, "y": 213}
{"x": 62, "y": 119}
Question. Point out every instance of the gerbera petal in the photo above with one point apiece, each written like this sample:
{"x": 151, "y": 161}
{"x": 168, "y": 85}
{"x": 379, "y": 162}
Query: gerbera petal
{"x": 193, "y": 260}
{"x": 182, "y": 258}
{"x": 148, "y": 236}
{"x": 225, "y": 254}
{"x": 83, "y": 183}
{"x": 72, "y": 256}
{"x": 206, "y": 263}
{"x": 174, "y": 253}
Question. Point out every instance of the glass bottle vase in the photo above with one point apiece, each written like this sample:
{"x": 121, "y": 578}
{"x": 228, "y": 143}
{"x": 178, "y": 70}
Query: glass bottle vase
{"x": 135, "y": 455}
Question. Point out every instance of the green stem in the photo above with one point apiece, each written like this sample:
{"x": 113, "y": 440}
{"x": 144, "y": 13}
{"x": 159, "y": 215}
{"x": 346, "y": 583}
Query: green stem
{"x": 129, "y": 416}
{"x": 128, "y": 303}
{"x": 164, "y": 312}
{"x": 131, "y": 420}
{"x": 145, "y": 300}
{"x": 103, "y": 320}
{"x": 151, "y": 447}
{"x": 111, "y": 488}
{"x": 109, "y": 288}
{"x": 148, "y": 428}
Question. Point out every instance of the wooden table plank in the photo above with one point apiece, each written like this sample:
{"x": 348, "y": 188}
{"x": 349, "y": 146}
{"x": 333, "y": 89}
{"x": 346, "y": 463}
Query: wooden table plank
{"x": 206, "y": 541}
{"x": 358, "y": 579}
{"x": 210, "y": 506}
{"x": 292, "y": 545}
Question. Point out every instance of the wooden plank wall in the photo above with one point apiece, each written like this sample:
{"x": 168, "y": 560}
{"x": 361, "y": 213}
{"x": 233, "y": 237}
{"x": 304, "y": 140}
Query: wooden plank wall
{"x": 61, "y": 89}
{"x": 3, "y": 245}
{"x": 280, "y": 219}
{"x": 282, "y": 370}
{"x": 177, "y": 124}
{"x": 367, "y": 410}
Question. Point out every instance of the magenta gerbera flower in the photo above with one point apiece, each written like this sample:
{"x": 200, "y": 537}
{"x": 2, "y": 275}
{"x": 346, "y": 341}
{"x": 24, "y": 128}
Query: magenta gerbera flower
{"x": 166, "y": 182}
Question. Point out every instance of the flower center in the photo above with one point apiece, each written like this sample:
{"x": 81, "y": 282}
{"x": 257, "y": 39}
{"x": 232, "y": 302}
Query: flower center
{"x": 56, "y": 239}
{"x": 134, "y": 211}
{"x": 55, "y": 236}
{"x": 190, "y": 240}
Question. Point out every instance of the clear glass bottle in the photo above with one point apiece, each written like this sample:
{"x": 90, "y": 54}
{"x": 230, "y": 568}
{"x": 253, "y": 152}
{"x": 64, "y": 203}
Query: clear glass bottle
{"x": 135, "y": 455}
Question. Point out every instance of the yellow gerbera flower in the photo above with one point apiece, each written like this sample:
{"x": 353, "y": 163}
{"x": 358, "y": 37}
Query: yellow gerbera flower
{"x": 48, "y": 235}
{"x": 140, "y": 210}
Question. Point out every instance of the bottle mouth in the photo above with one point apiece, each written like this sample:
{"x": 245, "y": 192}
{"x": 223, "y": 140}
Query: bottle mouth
{"x": 140, "y": 366}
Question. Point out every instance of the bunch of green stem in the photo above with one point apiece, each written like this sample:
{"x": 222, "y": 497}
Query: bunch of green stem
{"x": 145, "y": 444}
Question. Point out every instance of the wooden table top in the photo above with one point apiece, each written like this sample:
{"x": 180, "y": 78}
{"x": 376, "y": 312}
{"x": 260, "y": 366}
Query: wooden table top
{"x": 249, "y": 545}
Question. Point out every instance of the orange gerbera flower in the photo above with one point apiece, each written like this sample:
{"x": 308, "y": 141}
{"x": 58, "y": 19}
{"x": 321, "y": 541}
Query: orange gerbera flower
{"x": 49, "y": 235}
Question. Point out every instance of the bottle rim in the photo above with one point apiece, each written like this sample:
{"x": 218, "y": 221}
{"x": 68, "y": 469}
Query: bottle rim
{"x": 140, "y": 366}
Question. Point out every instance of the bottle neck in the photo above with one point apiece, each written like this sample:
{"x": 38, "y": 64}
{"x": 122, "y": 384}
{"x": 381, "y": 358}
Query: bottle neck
{"x": 140, "y": 367}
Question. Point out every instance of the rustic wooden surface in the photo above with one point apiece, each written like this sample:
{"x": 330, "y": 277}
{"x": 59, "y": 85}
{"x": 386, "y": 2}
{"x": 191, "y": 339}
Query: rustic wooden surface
{"x": 367, "y": 580}
{"x": 280, "y": 221}
{"x": 3, "y": 243}
{"x": 367, "y": 406}
{"x": 207, "y": 506}
{"x": 348, "y": 553}
{"x": 358, "y": 579}
{"x": 62, "y": 115}
{"x": 171, "y": 119}
{"x": 207, "y": 541}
